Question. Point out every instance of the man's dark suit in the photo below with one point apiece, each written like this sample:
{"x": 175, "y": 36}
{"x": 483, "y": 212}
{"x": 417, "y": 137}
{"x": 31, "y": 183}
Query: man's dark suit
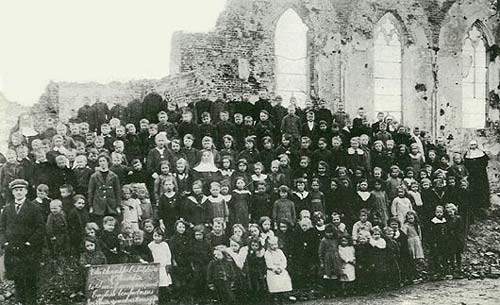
{"x": 22, "y": 259}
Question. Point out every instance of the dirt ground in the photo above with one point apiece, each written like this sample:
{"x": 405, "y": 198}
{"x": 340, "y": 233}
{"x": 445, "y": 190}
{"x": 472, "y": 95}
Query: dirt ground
{"x": 481, "y": 263}
{"x": 455, "y": 292}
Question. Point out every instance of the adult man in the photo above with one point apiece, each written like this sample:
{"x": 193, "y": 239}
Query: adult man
{"x": 118, "y": 110}
{"x": 246, "y": 107}
{"x": 101, "y": 112}
{"x": 151, "y": 105}
{"x": 202, "y": 105}
{"x": 262, "y": 104}
{"x": 86, "y": 112}
{"x": 21, "y": 236}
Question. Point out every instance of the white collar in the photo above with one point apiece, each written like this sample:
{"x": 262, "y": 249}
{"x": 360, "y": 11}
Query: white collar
{"x": 353, "y": 151}
{"x": 474, "y": 154}
{"x": 302, "y": 195}
{"x": 262, "y": 177}
{"x": 364, "y": 195}
{"x": 380, "y": 243}
{"x": 436, "y": 220}
{"x": 242, "y": 192}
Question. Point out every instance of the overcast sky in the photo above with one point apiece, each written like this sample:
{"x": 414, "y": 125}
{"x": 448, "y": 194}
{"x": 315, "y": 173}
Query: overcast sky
{"x": 91, "y": 40}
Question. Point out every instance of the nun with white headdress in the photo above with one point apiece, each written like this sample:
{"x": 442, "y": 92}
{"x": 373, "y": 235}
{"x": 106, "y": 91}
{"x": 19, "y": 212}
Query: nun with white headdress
{"x": 476, "y": 162}
{"x": 206, "y": 170}
{"x": 24, "y": 128}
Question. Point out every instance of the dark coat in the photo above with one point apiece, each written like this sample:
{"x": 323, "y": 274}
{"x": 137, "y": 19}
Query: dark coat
{"x": 134, "y": 112}
{"x": 61, "y": 176}
{"x": 17, "y": 230}
{"x": 119, "y": 112}
{"x": 42, "y": 173}
{"x": 104, "y": 194}
{"x": 101, "y": 115}
{"x": 151, "y": 105}
{"x": 77, "y": 219}
{"x": 86, "y": 113}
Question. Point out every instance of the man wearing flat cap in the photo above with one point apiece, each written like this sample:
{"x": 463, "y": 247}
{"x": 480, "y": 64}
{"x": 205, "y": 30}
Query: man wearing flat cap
{"x": 21, "y": 237}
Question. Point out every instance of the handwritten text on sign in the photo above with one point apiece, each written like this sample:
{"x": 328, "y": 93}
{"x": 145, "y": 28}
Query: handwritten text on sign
{"x": 123, "y": 284}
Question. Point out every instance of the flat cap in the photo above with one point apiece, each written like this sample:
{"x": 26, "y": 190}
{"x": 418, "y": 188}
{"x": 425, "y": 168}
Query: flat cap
{"x": 16, "y": 183}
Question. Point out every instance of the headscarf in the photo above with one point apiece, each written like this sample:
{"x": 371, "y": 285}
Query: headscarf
{"x": 474, "y": 153}
{"x": 208, "y": 165}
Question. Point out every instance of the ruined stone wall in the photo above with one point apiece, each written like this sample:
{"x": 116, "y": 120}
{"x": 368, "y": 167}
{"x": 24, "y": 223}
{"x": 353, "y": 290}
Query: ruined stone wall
{"x": 239, "y": 54}
{"x": 9, "y": 112}
{"x": 63, "y": 99}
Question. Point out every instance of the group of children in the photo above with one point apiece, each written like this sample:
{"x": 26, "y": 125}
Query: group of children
{"x": 238, "y": 209}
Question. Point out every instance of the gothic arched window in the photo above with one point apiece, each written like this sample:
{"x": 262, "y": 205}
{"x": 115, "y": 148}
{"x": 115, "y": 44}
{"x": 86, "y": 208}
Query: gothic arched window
{"x": 387, "y": 68}
{"x": 474, "y": 75}
{"x": 290, "y": 51}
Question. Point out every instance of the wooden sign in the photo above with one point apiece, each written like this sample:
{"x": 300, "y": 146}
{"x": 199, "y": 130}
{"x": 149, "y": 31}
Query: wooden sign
{"x": 123, "y": 284}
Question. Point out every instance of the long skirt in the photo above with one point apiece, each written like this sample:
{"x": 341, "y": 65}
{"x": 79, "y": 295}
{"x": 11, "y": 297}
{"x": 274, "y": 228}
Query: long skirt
{"x": 279, "y": 282}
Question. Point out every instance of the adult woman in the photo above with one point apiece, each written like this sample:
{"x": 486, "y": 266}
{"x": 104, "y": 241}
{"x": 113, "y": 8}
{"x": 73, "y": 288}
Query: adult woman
{"x": 24, "y": 127}
{"x": 104, "y": 190}
{"x": 206, "y": 169}
{"x": 476, "y": 161}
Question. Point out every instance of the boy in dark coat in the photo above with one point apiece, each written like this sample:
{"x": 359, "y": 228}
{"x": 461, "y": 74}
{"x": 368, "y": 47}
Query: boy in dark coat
{"x": 77, "y": 218}
{"x": 165, "y": 126}
{"x": 188, "y": 126}
{"x": 223, "y": 127}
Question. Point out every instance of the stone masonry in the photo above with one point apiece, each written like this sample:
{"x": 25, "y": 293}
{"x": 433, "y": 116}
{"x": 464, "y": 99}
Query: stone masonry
{"x": 238, "y": 56}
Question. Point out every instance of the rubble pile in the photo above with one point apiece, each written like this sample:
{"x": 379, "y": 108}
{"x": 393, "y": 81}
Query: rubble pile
{"x": 482, "y": 256}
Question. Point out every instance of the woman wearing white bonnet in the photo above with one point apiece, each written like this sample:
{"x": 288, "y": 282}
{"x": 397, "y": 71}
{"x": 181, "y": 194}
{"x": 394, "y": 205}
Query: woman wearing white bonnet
{"x": 476, "y": 162}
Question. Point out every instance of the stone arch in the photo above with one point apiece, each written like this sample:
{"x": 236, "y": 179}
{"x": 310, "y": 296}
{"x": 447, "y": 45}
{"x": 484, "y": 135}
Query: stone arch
{"x": 459, "y": 19}
{"x": 388, "y": 67}
{"x": 291, "y": 56}
{"x": 474, "y": 77}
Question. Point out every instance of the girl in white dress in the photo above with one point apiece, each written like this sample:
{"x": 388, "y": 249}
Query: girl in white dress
{"x": 278, "y": 279}
{"x": 162, "y": 255}
{"x": 348, "y": 260}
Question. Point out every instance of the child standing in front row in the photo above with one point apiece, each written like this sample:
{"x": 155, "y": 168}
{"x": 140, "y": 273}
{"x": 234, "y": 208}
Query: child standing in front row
{"x": 57, "y": 232}
{"x": 329, "y": 261}
{"x": 278, "y": 279}
{"x": 221, "y": 277}
{"x": 91, "y": 256}
{"x": 78, "y": 217}
{"x": 347, "y": 263}
{"x": 414, "y": 234}
{"x": 438, "y": 229}
{"x": 455, "y": 239}
{"x": 109, "y": 242}
{"x": 162, "y": 255}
